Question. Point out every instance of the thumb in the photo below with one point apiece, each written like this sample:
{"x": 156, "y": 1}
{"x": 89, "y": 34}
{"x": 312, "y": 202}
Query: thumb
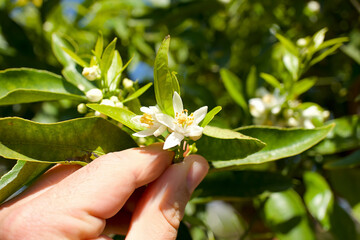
{"x": 161, "y": 208}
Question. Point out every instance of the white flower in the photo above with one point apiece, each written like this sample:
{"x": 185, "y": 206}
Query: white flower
{"x": 257, "y": 107}
{"x": 183, "y": 125}
{"x": 149, "y": 121}
{"x": 92, "y": 73}
{"x": 94, "y": 95}
{"x": 313, "y": 113}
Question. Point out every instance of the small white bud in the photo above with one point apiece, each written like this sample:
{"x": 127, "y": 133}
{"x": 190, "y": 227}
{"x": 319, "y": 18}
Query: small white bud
{"x": 301, "y": 42}
{"x": 115, "y": 99}
{"x": 94, "y": 95}
{"x": 107, "y": 102}
{"x": 119, "y": 105}
{"x": 82, "y": 108}
{"x": 127, "y": 83}
{"x": 314, "y": 6}
{"x": 92, "y": 73}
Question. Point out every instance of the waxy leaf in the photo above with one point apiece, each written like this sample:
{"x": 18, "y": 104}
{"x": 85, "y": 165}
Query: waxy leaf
{"x": 20, "y": 175}
{"x": 321, "y": 203}
{"x": 234, "y": 87}
{"x": 345, "y": 136}
{"x": 285, "y": 214}
{"x": 73, "y": 76}
{"x": 239, "y": 184}
{"x": 303, "y": 85}
{"x": 28, "y": 85}
{"x": 58, "y": 45}
{"x": 291, "y": 47}
{"x": 210, "y": 115}
{"x": 318, "y": 198}
{"x": 218, "y": 144}
{"x": 251, "y": 82}
{"x": 280, "y": 143}
{"x": 138, "y": 93}
{"x": 76, "y": 58}
{"x": 165, "y": 83}
{"x": 63, "y": 142}
{"x": 39, "y": 146}
{"x": 325, "y": 54}
{"x": 119, "y": 114}
{"x": 270, "y": 79}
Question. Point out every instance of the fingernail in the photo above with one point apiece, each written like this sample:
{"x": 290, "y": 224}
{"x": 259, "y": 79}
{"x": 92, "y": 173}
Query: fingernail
{"x": 197, "y": 172}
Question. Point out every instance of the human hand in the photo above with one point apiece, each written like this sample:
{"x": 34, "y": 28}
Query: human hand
{"x": 106, "y": 196}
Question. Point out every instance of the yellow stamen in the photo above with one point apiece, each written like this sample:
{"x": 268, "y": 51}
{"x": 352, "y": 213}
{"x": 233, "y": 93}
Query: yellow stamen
{"x": 147, "y": 119}
{"x": 183, "y": 119}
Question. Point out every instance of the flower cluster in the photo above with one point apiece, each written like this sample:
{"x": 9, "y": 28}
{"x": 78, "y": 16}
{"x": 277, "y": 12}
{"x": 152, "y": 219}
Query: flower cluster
{"x": 182, "y": 125}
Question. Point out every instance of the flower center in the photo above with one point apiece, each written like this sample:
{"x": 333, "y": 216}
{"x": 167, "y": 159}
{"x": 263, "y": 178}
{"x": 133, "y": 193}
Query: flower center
{"x": 182, "y": 118}
{"x": 147, "y": 119}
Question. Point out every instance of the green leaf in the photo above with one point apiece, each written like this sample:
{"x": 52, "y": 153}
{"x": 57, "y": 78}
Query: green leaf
{"x": 210, "y": 115}
{"x": 73, "y": 76}
{"x": 285, "y": 214}
{"x": 350, "y": 161}
{"x": 318, "y": 198}
{"x": 292, "y": 64}
{"x": 28, "y": 85}
{"x": 119, "y": 114}
{"x": 251, "y": 82}
{"x": 138, "y": 93}
{"x": 239, "y": 184}
{"x": 280, "y": 143}
{"x": 75, "y": 57}
{"x": 343, "y": 137}
{"x": 332, "y": 42}
{"x": 291, "y": 47}
{"x": 99, "y": 46}
{"x": 233, "y": 86}
{"x": 165, "y": 83}
{"x": 319, "y": 37}
{"x": 303, "y": 85}
{"x": 58, "y": 45}
{"x": 223, "y": 144}
{"x": 114, "y": 72}
{"x": 107, "y": 58}
{"x": 20, "y": 175}
{"x": 325, "y": 54}
{"x": 66, "y": 142}
{"x": 271, "y": 80}
{"x": 352, "y": 51}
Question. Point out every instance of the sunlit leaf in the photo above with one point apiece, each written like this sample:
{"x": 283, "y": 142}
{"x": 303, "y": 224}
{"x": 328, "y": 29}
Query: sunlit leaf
{"x": 99, "y": 46}
{"x": 251, "y": 82}
{"x": 165, "y": 84}
{"x": 21, "y": 174}
{"x": 234, "y": 87}
{"x": 73, "y": 76}
{"x": 318, "y": 198}
{"x": 28, "y": 85}
{"x": 285, "y": 214}
{"x": 119, "y": 114}
{"x": 114, "y": 72}
{"x": 223, "y": 144}
{"x": 303, "y": 85}
{"x": 138, "y": 93}
{"x": 63, "y": 142}
{"x": 319, "y": 37}
{"x": 280, "y": 143}
{"x": 210, "y": 115}
{"x": 271, "y": 80}
{"x": 75, "y": 57}
{"x": 325, "y": 54}
{"x": 292, "y": 63}
{"x": 58, "y": 45}
{"x": 291, "y": 47}
{"x": 107, "y": 58}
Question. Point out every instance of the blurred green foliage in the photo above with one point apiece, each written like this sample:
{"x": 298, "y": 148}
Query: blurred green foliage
{"x": 207, "y": 36}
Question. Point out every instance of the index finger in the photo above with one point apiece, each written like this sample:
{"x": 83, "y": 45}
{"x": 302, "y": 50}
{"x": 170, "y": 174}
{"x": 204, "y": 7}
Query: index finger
{"x": 102, "y": 187}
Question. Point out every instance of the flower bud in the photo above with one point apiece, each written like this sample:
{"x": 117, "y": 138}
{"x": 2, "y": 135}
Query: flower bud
{"x": 127, "y": 83}
{"x": 82, "y": 108}
{"x": 119, "y": 105}
{"x": 107, "y": 102}
{"x": 92, "y": 73}
{"x": 94, "y": 95}
{"x": 115, "y": 99}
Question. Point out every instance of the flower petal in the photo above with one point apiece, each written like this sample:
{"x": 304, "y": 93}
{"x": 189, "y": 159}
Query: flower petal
{"x": 166, "y": 120}
{"x": 146, "y": 110}
{"x": 145, "y": 133}
{"x": 160, "y": 130}
{"x": 177, "y": 103}
{"x": 200, "y": 114}
{"x": 194, "y": 131}
{"x": 172, "y": 140}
